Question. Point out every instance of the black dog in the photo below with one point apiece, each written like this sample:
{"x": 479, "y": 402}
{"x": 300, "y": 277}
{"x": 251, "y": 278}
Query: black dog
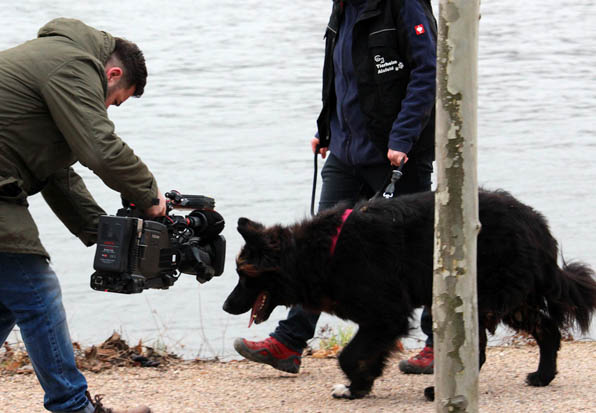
{"x": 381, "y": 269}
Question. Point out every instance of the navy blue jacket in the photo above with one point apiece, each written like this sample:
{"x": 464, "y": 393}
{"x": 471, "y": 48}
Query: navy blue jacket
{"x": 348, "y": 124}
{"x": 394, "y": 64}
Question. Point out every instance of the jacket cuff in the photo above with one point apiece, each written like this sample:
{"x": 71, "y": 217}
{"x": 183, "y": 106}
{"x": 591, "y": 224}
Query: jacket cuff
{"x": 146, "y": 201}
{"x": 88, "y": 236}
{"x": 400, "y": 145}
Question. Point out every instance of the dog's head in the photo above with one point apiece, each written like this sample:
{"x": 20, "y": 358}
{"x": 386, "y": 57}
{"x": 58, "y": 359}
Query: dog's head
{"x": 259, "y": 271}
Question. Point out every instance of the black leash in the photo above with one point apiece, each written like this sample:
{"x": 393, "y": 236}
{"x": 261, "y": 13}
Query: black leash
{"x": 314, "y": 185}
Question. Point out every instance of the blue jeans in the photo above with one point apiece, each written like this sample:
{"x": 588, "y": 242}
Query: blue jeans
{"x": 30, "y": 297}
{"x": 343, "y": 182}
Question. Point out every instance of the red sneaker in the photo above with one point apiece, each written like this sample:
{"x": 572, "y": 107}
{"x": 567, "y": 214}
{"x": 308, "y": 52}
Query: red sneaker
{"x": 421, "y": 363}
{"x": 269, "y": 351}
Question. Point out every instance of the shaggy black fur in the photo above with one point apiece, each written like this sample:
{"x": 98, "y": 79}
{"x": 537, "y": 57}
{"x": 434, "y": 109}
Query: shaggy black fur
{"x": 382, "y": 270}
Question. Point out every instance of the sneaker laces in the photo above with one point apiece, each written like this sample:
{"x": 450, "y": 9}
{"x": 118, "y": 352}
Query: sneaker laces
{"x": 279, "y": 349}
{"x": 275, "y": 346}
{"x": 96, "y": 402}
{"x": 425, "y": 353}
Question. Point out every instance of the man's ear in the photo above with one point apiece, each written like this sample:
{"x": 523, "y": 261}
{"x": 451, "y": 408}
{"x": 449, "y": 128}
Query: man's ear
{"x": 251, "y": 231}
{"x": 114, "y": 74}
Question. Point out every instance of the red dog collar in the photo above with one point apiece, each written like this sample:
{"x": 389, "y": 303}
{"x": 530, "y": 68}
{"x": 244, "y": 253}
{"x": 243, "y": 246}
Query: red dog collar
{"x": 345, "y": 216}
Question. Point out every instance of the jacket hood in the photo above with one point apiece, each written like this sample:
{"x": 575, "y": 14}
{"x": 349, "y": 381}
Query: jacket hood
{"x": 98, "y": 43}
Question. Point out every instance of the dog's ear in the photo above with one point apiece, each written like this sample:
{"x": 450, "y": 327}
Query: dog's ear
{"x": 251, "y": 231}
{"x": 247, "y": 223}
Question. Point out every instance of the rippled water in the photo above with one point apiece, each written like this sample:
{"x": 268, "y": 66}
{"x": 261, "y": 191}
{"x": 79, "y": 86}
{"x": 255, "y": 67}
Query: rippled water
{"x": 231, "y": 102}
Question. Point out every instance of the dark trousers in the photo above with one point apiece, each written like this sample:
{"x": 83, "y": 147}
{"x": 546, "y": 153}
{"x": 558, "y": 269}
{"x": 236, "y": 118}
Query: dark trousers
{"x": 342, "y": 182}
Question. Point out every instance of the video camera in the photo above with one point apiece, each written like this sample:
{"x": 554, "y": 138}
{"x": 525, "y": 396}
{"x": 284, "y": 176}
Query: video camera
{"x": 134, "y": 253}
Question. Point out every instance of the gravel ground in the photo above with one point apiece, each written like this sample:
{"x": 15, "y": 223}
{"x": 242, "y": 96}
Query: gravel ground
{"x": 241, "y": 386}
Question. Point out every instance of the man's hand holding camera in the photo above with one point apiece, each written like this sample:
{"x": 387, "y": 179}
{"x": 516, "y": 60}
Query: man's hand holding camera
{"x": 158, "y": 210}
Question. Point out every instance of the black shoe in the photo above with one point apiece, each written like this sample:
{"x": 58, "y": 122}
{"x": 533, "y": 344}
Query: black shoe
{"x": 99, "y": 407}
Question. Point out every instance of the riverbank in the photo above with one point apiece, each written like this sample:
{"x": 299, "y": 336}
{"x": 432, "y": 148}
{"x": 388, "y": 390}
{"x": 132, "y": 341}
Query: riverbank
{"x": 239, "y": 386}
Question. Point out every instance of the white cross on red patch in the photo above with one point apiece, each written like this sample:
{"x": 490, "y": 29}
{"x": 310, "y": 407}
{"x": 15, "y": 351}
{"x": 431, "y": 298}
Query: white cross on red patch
{"x": 419, "y": 29}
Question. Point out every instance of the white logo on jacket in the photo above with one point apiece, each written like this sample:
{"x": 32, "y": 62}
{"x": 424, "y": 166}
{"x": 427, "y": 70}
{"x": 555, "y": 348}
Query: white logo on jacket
{"x": 384, "y": 67}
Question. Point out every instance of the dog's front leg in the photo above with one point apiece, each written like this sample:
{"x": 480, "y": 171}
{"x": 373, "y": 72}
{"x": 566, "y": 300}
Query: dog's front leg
{"x": 363, "y": 360}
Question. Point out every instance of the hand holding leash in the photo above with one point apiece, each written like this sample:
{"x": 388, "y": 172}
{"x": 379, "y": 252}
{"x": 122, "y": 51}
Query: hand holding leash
{"x": 396, "y": 158}
{"x": 316, "y": 149}
{"x": 315, "y": 143}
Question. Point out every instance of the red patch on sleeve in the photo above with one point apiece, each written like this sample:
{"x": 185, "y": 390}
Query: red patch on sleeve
{"x": 419, "y": 30}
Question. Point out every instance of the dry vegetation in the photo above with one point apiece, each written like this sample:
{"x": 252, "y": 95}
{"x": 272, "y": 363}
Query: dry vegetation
{"x": 114, "y": 352}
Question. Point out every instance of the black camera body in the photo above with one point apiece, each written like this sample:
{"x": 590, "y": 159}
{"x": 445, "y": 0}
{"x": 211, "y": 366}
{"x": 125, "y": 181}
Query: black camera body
{"x": 134, "y": 254}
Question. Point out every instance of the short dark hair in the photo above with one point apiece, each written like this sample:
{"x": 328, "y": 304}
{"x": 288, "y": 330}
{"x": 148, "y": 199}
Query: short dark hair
{"x": 132, "y": 59}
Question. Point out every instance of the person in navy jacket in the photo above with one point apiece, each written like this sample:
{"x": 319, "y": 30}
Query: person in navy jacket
{"x": 379, "y": 91}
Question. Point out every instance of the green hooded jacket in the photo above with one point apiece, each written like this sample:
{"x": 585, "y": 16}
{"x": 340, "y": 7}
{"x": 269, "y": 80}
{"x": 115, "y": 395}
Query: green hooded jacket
{"x": 53, "y": 114}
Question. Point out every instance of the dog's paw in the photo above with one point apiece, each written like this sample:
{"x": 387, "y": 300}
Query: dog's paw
{"x": 534, "y": 379}
{"x": 341, "y": 391}
{"x": 429, "y": 393}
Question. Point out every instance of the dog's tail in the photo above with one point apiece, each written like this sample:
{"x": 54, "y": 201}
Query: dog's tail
{"x": 576, "y": 296}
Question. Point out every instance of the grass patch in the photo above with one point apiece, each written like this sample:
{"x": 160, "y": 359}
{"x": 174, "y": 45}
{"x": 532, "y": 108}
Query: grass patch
{"x": 329, "y": 341}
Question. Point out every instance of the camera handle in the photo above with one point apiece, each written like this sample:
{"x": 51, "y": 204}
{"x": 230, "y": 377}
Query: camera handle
{"x": 178, "y": 200}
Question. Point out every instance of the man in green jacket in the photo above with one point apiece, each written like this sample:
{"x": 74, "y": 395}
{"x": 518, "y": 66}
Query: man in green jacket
{"x": 54, "y": 95}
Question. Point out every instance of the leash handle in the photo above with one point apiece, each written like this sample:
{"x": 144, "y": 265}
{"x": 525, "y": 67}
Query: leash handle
{"x": 396, "y": 174}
